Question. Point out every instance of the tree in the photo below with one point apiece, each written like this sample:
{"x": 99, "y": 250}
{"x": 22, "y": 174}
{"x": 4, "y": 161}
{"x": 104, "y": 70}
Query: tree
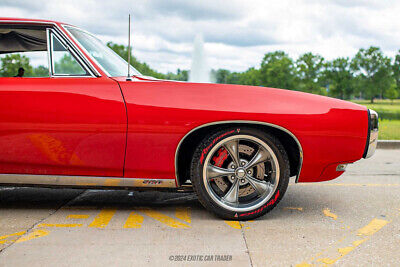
{"x": 68, "y": 65}
{"x": 277, "y": 70}
{"x": 12, "y": 62}
{"x": 143, "y": 68}
{"x": 392, "y": 92}
{"x": 40, "y": 71}
{"x": 340, "y": 78}
{"x": 396, "y": 69}
{"x": 309, "y": 70}
{"x": 250, "y": 77}
{"x": 234, "y": 78}
{"x": 181, "y": 75}
{"x": 374, "y": 71}
{"x": 221, "y": 75}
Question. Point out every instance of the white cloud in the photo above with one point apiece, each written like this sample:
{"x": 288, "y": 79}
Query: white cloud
{"x": 237, "y": 33}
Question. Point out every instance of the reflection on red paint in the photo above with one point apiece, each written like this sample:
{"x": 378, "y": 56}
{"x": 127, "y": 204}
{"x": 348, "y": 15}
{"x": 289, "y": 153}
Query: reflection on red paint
{"x": 54, "y": 150}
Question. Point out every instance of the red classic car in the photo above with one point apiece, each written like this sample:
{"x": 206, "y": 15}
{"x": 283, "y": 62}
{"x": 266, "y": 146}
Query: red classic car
{"x": 84, "y": 124}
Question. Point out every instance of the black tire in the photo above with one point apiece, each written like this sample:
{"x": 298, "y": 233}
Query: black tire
{"x": 198, "y": 162}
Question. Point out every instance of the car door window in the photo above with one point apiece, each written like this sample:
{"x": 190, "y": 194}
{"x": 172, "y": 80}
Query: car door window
{"x": 23, "y": 51}
{"x": 63, "y": 63}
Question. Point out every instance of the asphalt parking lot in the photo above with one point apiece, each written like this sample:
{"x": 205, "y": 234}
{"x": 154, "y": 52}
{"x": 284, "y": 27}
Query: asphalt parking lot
{"x": 351, "y": 221}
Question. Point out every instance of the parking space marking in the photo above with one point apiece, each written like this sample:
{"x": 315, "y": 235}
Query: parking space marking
{"x": 34, "y": 234}
{"x": 345, "y": 245}
{"x": 184, "y": 214}
{"x": 11, "y": 235}
{"x": 103, "y": 218}
{"x": 371, "y": 228}
{"x": 327, "y": 212}
{"x": 5, "y": 238}
{"x": 78, "y": 216}
{"x": 293, "y": 208}
{"x": 163, "y": 218}
{"x": 134, "y": 220}
{"x": 234, "y": 224}
{"x": 61, "y": 225}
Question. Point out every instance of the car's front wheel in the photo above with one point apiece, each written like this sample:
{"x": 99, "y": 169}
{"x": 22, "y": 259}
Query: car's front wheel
{"x": 240, "y": 173}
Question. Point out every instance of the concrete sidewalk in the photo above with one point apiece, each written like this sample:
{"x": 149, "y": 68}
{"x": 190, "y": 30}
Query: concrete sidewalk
{"x": 388, "y": 144}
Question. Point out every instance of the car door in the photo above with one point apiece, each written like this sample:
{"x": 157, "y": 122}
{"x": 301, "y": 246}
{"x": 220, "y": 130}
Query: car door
{"x": 71, "y": 123}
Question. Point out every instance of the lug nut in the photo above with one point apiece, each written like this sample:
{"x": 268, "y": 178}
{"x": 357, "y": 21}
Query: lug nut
{"x": 243, "y": 163}
{"x": 249, "y": 172}
{"x": 243, "y": 180}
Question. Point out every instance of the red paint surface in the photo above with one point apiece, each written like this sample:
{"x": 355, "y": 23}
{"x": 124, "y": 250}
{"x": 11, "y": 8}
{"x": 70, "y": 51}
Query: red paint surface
{"x": 66, "y": 126}
{"x": 160, "y": 113}
{"x": 77, "y": 126}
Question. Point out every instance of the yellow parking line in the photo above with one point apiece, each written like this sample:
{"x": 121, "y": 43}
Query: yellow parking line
{"x": 10, "y": 235}
{"x": 349, "y": 243}
{"x": 35, "y": 234}
{"x": 293, "y": 208}
{"x": 374, "y": 226}
{"x": 328, "y": 213}
{"x": 103, "y": 218}
{"x": 183, "y": 213}
{"x": 4, "y": 239}
{"x": 163, "y": 218}
{"x": 134, "y": 220}
{"x": 61, "y": 225}
{"x": 78, "y": 216}
{"x": 234, "y": 224}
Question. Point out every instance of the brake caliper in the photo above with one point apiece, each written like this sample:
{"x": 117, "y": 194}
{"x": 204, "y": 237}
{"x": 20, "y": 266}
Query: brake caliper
{"x": 221, "y": 156}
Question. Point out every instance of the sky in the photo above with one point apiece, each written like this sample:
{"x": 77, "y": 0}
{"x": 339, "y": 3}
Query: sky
{"x": 237, "y": 33}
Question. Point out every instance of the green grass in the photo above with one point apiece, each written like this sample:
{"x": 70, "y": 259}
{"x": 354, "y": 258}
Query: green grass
{"x": 389, "y": 130}
{"x": 386, "y": 109}
{"x": 389, "y": 115}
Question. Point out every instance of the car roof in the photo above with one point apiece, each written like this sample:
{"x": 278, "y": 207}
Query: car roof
{"x": 28, "y": 20}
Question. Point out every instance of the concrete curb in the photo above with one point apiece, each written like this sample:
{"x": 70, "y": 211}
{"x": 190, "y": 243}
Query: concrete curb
{"x": 388, "y": 144}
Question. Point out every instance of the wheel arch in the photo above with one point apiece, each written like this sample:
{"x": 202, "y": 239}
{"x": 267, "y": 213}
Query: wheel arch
{"x": 189, "y": 142}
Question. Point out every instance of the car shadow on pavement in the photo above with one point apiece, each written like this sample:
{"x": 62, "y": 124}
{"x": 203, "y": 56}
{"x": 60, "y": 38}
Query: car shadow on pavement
{"x": 295, "y": 203}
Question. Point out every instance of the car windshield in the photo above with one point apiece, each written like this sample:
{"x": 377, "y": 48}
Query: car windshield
{"x": 110, "y": 61}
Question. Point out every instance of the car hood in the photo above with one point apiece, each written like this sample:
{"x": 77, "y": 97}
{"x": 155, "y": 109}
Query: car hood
{"x": 229, "y": 97}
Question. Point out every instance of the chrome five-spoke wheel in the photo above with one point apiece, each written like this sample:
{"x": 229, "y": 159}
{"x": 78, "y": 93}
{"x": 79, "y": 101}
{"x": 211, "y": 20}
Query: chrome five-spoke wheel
{"x": 241, "y": 173}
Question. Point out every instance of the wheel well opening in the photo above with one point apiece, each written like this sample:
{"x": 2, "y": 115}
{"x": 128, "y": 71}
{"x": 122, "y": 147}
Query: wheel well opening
{"x": 189, "y": 144}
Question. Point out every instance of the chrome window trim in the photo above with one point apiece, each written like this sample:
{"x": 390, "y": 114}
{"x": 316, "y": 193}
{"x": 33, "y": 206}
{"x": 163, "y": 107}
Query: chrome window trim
{"x": 48, "y": 50}
{"x": 50, "y": 33}
{"x": 78, "y": 52}
{"x": 239, "y": 122}
{"x": 55, "y": 26}
{"x": 84, "y": 181}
